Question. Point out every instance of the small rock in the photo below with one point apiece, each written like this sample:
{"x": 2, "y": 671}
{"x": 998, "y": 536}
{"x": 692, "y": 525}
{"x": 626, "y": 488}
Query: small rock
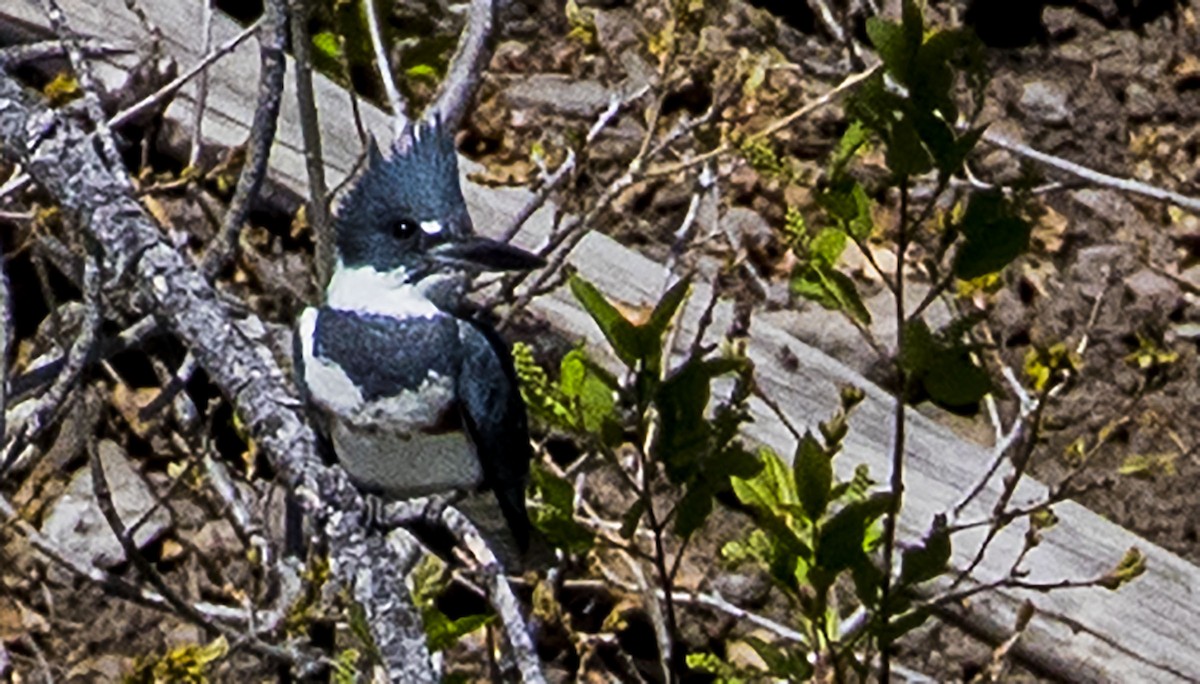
{"x": 559, "y": 93}
{"x": 1108, "y": 206}
{"x": 1046, "y": 102}
{"x": 1152, "y": 293}
{"x": 1140, "y": 103}
{"x": 740, "y": 654}
{"x": 748, "y": 228}
{"x": 218, "y": 538}
{"x": 1095, "y": 265}
{"x": 746, "y": 589}
{"x": 616, "y": 30}
{"x": 77, "y": 525}
{"x": 511, "y": 56}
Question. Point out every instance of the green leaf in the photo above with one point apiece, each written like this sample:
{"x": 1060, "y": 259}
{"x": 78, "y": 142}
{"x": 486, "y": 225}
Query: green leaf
{"x": 929, "y": 559}
{"x": 813, "y": 473}
{"x": 590, "y": 390}
{"x": 994, "y": 235}
{"x": 920, "y": 350}
{"x": 708, "y": 663}
{"x": 942, "y": 367}
{"x": 893, "y": 47}
{"x": 841, "y": 539}
{"x": 620, "y": 333}
{"x": 906, "y": 156}
{"x": 682, "y": 398}
{"x": 939, "y": 140}
{"x": 830, "y": 288}
{"x": 554, "y": 518}
{"x": 933, "y": 79}
{"x": 852, "y": 140}
{"x": 862, "y": 225}
{"x": 956, "y": 381}
{"x": 327, "y": 45}
{"x": 828, "y": 245}
{"x": 770, "y": 488}
{"x": 654, "y": 329}
{"x": 441, "y": 632}
{"x": 914, "y": 24}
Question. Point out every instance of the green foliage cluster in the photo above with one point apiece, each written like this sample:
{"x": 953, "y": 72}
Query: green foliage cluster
{"x": 813, "y": 531}
{"x": 429, "y": 579}
{"x": 694, "y": 449}
{"x": 341, "y": 43}
{"x": 910, "y": 108}
{"x": 187, "y": 664}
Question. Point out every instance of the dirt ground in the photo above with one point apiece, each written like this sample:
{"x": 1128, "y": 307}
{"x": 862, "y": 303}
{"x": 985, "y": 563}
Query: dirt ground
{"x": 1111, "y": 85}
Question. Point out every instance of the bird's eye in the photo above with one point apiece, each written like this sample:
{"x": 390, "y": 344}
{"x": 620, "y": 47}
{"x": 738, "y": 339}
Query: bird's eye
{"x": 404, "y": 228}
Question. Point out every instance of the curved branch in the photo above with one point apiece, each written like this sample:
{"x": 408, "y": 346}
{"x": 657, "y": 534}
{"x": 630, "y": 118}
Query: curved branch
{"x": 262, "y": 134}
{"x": 230, "y": 347}
{"x": 466, "y": 67}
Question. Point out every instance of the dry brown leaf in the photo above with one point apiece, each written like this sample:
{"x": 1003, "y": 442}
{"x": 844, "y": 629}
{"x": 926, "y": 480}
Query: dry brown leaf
{"x": 1049, "y": 231}
{"x": 129, "y": 402}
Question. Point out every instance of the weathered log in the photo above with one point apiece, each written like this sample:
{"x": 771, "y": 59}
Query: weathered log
{"x": 1146, "y": 632}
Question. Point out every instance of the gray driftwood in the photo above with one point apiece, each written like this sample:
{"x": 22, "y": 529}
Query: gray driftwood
{"x": 1147, "y": 632}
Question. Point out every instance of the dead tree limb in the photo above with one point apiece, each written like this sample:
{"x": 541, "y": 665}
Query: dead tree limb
{"x": 61, "y": 157}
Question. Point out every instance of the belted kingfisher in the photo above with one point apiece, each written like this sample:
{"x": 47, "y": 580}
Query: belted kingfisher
{"x": 417, "y": 397}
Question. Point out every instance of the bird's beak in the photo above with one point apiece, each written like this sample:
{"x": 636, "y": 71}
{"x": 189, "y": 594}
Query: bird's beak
{"x": 479, "y": 253}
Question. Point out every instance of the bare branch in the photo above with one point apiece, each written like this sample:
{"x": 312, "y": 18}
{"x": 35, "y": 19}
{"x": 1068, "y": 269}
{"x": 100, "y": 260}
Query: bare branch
{"x": 6, "y": 336}
{"x": 201, "y": 89}
{"x": 50, "y": 404}
{"x": 229, "y": 347}
{"x": 54, "y": 49}
{"x": 466, "y": 67}
{"x": 314, "y": 164}
{"x": 394, "y": 98}
{"x": 1092, "y": 176}
{"x": 262, "y": 134}
{"x": 500, "y": 595}
{"x": 171, "y": 88}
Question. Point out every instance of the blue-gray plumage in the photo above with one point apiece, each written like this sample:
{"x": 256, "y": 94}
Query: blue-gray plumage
{"x": 417, "y": 398}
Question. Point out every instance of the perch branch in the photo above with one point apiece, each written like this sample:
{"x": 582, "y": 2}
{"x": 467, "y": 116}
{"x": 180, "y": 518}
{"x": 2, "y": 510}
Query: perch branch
{"x": 232, "y": 350}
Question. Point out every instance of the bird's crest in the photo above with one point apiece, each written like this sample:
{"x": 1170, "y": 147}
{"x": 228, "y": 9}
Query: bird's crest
{"x": 417, "y": 182}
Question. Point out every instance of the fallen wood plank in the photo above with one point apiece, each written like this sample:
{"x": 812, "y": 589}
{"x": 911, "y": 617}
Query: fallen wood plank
{"x": 1147, "y": 632}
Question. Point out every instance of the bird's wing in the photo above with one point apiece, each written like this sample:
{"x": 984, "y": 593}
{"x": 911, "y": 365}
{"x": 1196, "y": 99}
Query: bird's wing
{"x": 494, "y": 414}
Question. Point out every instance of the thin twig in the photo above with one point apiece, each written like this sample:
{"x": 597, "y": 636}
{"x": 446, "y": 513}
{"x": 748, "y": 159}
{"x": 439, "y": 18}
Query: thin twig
{"x": 772, "y": 128}
{"x": 147, "y": 572}
{"x": 500, "y": 595}
{"x": 314, "y": 164}
{"x": 262, "y": 135}
{"x": 896, "y": 481}
{"x": 1090, "y": 175}
{"x": 565, "y": 169}
{"x": 6, "y": 337}
{"x": 201, "y": 88}
{"x": 394, "y": 98}
{"x": 466, "y": 66}
{"x": 80, "y": 354}
{"x": 655, "y": 600}
{"x": 170, "y": 88}
{"x": 16, "y": 55}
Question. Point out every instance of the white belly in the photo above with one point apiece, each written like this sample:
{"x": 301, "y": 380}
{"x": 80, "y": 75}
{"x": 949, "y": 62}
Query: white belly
{"x": 402, "y": 466}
